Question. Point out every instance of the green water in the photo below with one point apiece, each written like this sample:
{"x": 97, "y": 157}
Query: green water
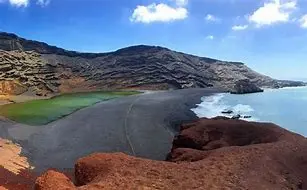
{"x": 41, "y": 112}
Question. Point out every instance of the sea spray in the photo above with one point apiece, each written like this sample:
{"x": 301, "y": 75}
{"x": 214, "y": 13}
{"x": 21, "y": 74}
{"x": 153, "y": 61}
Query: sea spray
{"x": 213, "y": 106}
{"x": 210, "y": 106}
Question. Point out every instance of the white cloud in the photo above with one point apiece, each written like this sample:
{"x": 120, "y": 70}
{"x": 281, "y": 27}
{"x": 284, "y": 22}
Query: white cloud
{"x": 211, "y": 18}
{"x": 303, "y": 21}
{"x": 19, "y": 3}
{"x": 25, "y": 3}
{"x": 181, "y": 3}
{"x": 158, "y": 13}
{"x": 239, "y": 27}
{"x": 210, "y": 37}
{"x": 43, "y": 3}
{"x": 273, "y": 11}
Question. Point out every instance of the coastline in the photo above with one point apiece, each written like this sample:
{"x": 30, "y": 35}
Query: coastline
{"x": 10, "y": 99}
{"x": 283, "y": 107}
{"x": 105, "y": 127}
{"x": 284, "y": 88}
{"x": 97, "y": 129}
{"x": 25, "y": 97}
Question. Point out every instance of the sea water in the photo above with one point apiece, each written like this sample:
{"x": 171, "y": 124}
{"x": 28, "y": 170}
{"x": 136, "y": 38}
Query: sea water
{"x": 285, "y": 107}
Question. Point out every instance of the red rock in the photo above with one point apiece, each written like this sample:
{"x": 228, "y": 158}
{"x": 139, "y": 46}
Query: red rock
{"x": 53, "y": 180}
{"x": 23, "y": 181}
{"x": 209, "y": 134}
{"x": 207, "y": 154}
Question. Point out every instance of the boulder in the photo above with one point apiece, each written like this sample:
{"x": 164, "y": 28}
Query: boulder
{"x": 52, "y": 180}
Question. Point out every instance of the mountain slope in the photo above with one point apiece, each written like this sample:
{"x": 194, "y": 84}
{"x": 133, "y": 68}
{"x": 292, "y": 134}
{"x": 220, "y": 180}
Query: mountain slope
{"x": 47, "y": 69}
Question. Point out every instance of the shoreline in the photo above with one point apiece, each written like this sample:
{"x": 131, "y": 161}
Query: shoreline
{"x": 284, "y": 88}
{"x": 48, "y": 109}
{"x": 58, "y": 145}
{"x": 261, "y": 107}
{"x": 101, "y": 128}
{"x": 11, "y": 99}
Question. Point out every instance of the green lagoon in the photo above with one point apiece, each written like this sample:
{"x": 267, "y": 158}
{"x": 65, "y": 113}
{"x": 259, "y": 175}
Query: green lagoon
{"x": 41, "y": 112}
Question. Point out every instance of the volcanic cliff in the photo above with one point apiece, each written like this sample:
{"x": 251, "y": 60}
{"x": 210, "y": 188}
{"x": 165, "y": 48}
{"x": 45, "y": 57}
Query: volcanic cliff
{"x": 41, "y": 69}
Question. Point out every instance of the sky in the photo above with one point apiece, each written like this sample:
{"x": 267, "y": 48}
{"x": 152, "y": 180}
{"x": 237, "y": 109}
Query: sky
{"x": 270, "y": 36}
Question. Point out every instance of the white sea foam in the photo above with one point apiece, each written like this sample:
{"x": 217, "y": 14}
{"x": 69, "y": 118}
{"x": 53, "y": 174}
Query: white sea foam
{"x": 293, "y": 88}
{"x": 242, "y": 109}
{"x": 284, "y": 88}
{"x": 212, "y": 106}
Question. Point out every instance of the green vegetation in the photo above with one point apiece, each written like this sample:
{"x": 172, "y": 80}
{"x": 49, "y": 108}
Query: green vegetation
{"x": 41, "y": 112}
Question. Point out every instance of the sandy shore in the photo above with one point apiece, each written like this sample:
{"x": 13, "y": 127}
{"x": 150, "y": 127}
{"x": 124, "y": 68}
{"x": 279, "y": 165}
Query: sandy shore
{"x": 10, "y": 158}
{"x": 142, "y": 125}
{"x": 6, "y": 99}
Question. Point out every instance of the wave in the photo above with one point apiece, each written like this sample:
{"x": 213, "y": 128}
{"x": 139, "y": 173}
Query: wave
{"x": 242, "y": 109}
{"x": 213, "y": 106}
{"x": 285, "y": 88}
{"x": 210, "y": 106}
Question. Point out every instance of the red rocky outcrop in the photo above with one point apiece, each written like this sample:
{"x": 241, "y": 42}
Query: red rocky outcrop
{"x": 207, "y": 154}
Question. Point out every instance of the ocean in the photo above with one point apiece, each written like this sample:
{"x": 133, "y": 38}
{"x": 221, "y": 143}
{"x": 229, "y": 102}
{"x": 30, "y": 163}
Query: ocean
{"x": 286, "y": 107}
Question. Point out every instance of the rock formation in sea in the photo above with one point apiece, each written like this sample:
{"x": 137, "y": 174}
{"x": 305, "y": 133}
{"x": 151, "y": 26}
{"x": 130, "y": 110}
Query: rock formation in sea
{"x": 41, "y": 69}
{"x": 245, "y": 86}
{"x": 217, "y": 153}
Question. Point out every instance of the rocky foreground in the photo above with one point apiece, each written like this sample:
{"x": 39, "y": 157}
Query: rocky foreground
{"x": 41, "y": 69}
{"x": 207, "y": 154}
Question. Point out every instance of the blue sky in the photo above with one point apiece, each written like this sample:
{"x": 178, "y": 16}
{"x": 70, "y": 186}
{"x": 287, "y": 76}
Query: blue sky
{"x": 270, "y": 36}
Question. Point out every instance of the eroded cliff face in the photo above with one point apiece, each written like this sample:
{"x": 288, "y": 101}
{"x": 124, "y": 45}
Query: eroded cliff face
{"x": 142, "y": 66}
{"x": 11, "y": 88}
{"x": 21, "y": 71}
{"x": 47, "y": 69}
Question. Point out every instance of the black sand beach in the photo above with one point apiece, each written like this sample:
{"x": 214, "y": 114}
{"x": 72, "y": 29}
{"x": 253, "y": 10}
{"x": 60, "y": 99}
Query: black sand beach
{"x": 141, "y": 125}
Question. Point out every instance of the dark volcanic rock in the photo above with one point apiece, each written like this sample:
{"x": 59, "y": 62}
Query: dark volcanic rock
{"x": 288, "y": 83}
{"x": 24, "y": 70}
{"x": 140, "y": 67}
{"x": 227, "y": 112}
{"x": 238, "y": 116}
{"x": 12, "y": 42}
{"x": 209, "y": 154}
{"x": 245, "y": 86}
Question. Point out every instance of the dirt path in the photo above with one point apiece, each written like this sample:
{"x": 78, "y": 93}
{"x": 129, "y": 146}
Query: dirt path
{"x": 126, "y": 127}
